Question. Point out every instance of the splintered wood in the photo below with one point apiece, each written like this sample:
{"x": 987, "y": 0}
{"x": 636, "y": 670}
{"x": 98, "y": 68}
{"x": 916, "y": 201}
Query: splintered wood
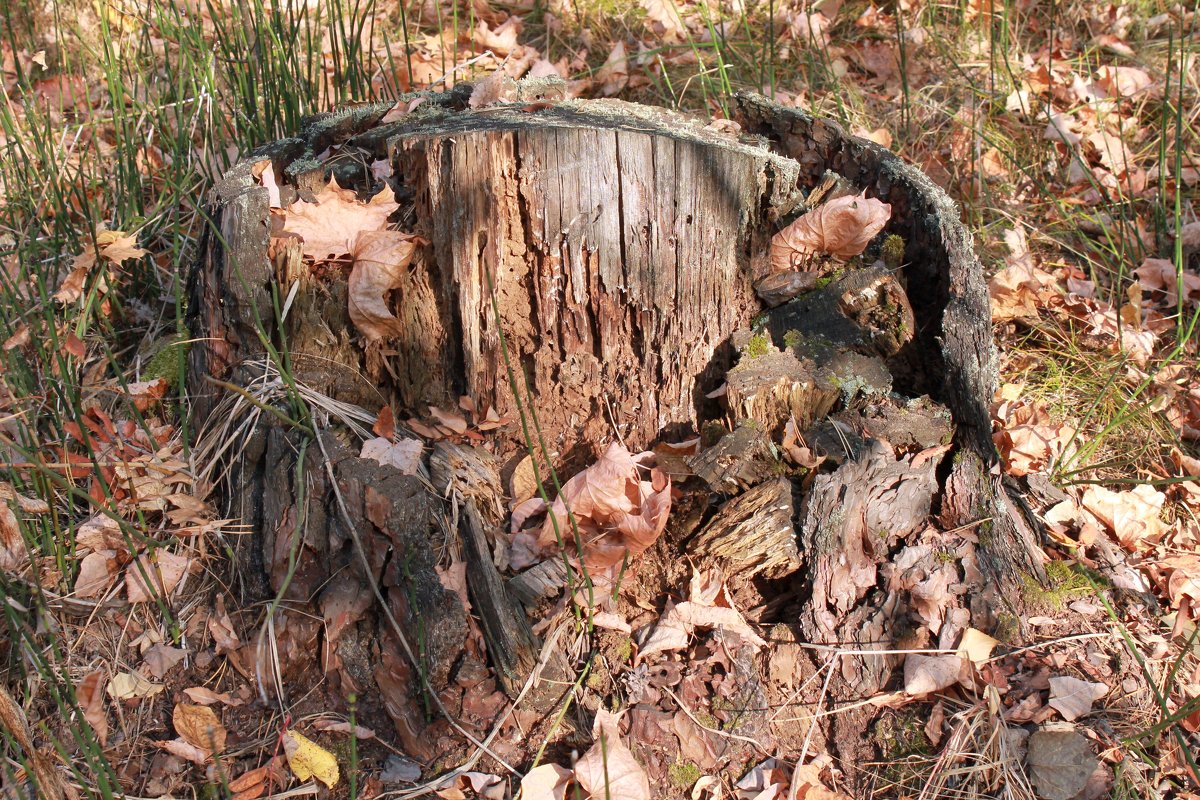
{"x": 615, "y": 260}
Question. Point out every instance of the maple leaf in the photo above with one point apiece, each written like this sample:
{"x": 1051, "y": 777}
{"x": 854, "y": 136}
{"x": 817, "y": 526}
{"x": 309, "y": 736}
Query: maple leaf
{"x": 330, "y": 226}
{"x": 608, "y": 768}
{"x": 842, "y": 227}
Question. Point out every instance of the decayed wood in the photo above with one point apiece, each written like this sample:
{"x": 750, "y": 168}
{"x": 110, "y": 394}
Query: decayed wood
{"x": 620, "y": 243}
{"x": 770, "y": 387}
{"x": 740, "y": 459}
{"x": 753, "y": 532}
{"x": 587, "y": 221}
{"x": 511, "y": 644}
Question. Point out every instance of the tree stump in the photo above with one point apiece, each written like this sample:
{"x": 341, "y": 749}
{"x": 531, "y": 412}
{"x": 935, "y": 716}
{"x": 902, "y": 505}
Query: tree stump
{"x": 607, "y": 253}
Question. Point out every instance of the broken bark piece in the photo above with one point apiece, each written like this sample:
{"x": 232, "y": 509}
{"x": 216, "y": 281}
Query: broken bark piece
{"x": 770, "y": 387}
{"x": 511, "y": 644}
{"x": 831, "y": 187}
{"x": 753, "y": 532}
{"x": 739, "y": 460}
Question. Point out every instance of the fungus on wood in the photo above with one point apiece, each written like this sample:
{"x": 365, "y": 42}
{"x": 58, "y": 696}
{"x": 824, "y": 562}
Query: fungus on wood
{"x": 602, "y": 258}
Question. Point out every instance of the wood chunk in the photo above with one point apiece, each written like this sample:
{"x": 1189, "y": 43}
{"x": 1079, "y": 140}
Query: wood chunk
{"x": 510, "y": 641}
{"x": 770, "y": 387}
{"x": 753, "y": 532}
{"x": 738, "y": 461}
{"x": 539, "y": 583}
{"x": 780, "y": 287}
{"x": 470, "y": 472}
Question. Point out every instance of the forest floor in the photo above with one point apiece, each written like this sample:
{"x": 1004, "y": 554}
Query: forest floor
{"x": 1065, "y": 131}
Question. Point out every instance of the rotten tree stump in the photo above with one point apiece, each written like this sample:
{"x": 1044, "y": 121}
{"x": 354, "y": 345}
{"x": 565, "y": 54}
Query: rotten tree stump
{"x": 612, "y": 251}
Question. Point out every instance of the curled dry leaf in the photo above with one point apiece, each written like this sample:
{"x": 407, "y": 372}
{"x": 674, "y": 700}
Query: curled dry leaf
{"x": 925, "y": 674}
{"x": 380, "y": 260}
{"x": 545, "y": 782}
{"x": 608, "y": 768}
{"x": 1132, "y": 516}
{"x": 89, "y": 694}
{"x": 404, "y": 455}
{"x": 842, "y": 227}
{"x": 619, "y": 512}
{"x": 155, "y": 575}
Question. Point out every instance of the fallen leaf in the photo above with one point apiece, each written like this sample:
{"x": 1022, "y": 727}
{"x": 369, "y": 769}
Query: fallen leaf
{"x": 340, "y": 726}
{"x": 1072, "y": 697}
{"x": 449, "y": 419}
{"x": 380, "y": 261}
{"x": 545, "y": 782}
{"x": 1060, "y": 763}
{"x": 162, "y": 570}
{"x": 613, "y": 75}
{"x": 608, "y": 769}
{"x": 131, "y": 686}
{"x": 207, "y": 697}
{"x": 330, "y": 226}
{"x": 662, "y": 17}
{"x": 186, "y": 750}
{"x": 926, "y": 674}
{"x": 89, "y": 694}
{"x": 842, "y": 227}
{"x": 404, "y": 455}
{"x": 1132, "y": 516}
{"x": 308, "y": 759}
{"x": 199, "y": 726}
{"x": 976, "y": 646}
{"x": 97, "y": 571}
{"x": 160, "y": 659}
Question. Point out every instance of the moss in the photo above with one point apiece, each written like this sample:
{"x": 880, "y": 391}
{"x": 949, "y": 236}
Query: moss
{"x": 892, "y": 251}
{"x": 758, "y": 322}
{"x": 758, "y": 345}
{"x": 1066, "y": 582}
{"x": 903, "y": 745}
{"x": 825, "y": 280}
{"x": 624, "y": 650}
{"x": 946, "y": 556}
{"x": 683, "y": 776}
{"x": 792, "y": 339}
{"x": 167, "y": 361}
{"x": 1008, "y": 626}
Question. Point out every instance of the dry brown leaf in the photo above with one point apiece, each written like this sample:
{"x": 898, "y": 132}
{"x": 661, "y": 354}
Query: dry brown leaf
{"x": 199, "y": 726}
{"x": 161, "y": 658}
{"x": 1132, "y": 516}
{"x": 20, "y": 337}
{"x": 1072, "y": 697}
{"x": 925, "y": 674}
{"x": 502, "y": 40}
{"x": 1124, "y": 81}
{"x": 155, "y": 575}
{"x": 330, "y": 226}
{"x": 449, "y": 419}
{"x": 545, "y": 782}
{"x": 1159, "y": 275}
{"x": 619, "y": 512}
{"x": 380, "y": 261}
{"x": 613, "y": 75}
{"x": 131, "y": 686}
{"x": 842, "y": 227}
{"x": 207, "y": 697}
{"x": 96, "y": 573}
{"x": 976, "y": 646}
{"x": 186, "y": 750}
{"x": 608, "y": 769}
{"x": 404, "y": 455}
{"x": 89, "y": 694}
{"x": 147, "y": 393}
{"x": 663, "y": 20}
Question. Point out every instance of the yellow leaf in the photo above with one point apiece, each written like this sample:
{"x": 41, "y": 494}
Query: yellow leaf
{"x": 976, "y": 646}
{"x": 309, "y": 760}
